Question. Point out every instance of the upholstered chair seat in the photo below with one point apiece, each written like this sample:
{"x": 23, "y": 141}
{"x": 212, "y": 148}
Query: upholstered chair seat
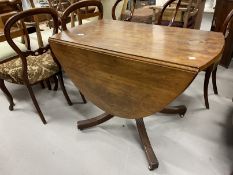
{"x": 39, "y": 68}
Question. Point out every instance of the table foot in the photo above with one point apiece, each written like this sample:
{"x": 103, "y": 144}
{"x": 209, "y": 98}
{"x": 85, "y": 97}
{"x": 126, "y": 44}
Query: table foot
{"x": 181, "y": 110}
{"x": 150, "y": 155}
{"x": 84, "y": 124}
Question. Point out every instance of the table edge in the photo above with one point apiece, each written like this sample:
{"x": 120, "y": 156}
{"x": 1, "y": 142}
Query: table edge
{"x": 127, "y": 56}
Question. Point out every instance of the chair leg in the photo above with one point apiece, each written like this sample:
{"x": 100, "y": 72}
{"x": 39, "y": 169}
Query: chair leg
{"x": 55, "y": 82}
{"x": 36, "y": 104}
{"x": 7, "y": 94}
{"x": 214, "y": 81}
{"x": 48, "y": 84}
{"x": 206, "y": 83}
{"x": 83, "y": 98}
{"x": 42, "y": 84}
{"x": 60, "y": 78}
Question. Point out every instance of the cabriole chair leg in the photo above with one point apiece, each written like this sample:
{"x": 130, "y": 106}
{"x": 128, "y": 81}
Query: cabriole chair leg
{"x": 206, "y": 83}
{"x": 214, "y": 81}
{"x": 55, "y": 82}
{"x": 48, "y": 84}
{"x": 42, "y": 84}
{"x": 7, "y": 94}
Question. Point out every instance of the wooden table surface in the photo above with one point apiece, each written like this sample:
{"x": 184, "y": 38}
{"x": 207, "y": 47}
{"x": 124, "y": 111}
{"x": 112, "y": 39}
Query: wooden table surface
{"x": 117, "y": 64}
{"x": 179, "y": 47}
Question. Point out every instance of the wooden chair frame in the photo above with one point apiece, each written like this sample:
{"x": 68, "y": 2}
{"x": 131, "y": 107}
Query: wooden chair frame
{"x": 8, "y": 5}
{"x": 75, "y": 7}
{"x": 213, "y": 68}
{"x": 8, "y": 9}
{"x": 23, "y": 55}
{"x": 58, "y": 5}
{"x": 189, "y": 9}
{"x": 121, "y": 17}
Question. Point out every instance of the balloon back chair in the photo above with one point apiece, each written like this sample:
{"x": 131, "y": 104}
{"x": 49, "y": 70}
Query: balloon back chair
{"x": 134, "y": 11}
{"x": 225, "y": 29}
{"x": 81, "y": 9}
{"x": 179, "y": 13}
{"x": 213, "y": 68}
{"x": 8, "y": 9}
{"x": 32, "y": 66}
{"x": 127, "y": 15}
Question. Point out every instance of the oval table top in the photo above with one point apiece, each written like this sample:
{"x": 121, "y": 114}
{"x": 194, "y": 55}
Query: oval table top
{"x": 166, "y": 45}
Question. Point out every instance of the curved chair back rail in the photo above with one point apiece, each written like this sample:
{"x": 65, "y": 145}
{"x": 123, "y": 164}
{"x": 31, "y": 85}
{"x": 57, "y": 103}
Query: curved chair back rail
{"x": 175, "y": 12}
{"x": 20, "y": 17}
{"x": 59, "y": 5}
{"x": 8, "y": 9}
{"x": 189, "y": 8}
{"x": 114, "y": 9}
{"x": 226, "y": 23}
{"x": 121, "y": 16}
{"x": 10, "y": 5}
{"x": 82, "y": 15}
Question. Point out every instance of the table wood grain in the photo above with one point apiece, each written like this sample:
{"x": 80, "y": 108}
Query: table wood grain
{"x": 134, "y": 70}
{"x": 185, "y": 47}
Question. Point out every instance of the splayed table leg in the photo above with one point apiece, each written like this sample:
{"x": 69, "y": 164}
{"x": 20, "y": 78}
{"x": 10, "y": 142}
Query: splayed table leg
{"x": 181, "y": 110}
{"x": 84, "y": 124}
{"x": 150, "y": 155}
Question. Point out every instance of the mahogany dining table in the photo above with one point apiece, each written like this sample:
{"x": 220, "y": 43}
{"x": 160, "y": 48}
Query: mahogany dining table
{"x": 134, "y": 70}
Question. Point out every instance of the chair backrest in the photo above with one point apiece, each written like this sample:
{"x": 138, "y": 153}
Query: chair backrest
{"x": 81, "y": 8}
{"x": 10, "y": 5}
{"x": 59, "y": 5}
{"x": 19, "y": 18}
{"x": 8, "y": 9}
{"x": 226, "y": 24}
{"x": 185, "y": 9}
{"x": 123, "y": 16}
